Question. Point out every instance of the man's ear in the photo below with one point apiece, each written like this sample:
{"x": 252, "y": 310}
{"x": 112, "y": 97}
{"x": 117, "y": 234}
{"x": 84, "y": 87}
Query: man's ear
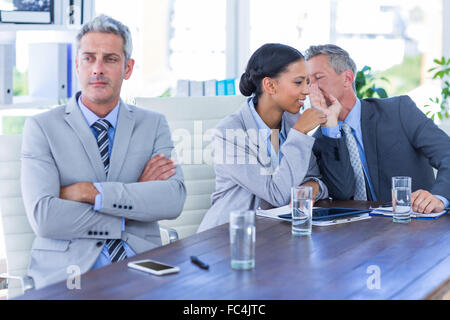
{"x": 269, "y": 85}
{"x": 349, "y": 77}
{"x": 129, "y": 69}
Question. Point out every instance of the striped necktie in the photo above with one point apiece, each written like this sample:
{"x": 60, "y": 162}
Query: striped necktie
{"x": 355, "y": 160}
{"x": 115, "y": 246}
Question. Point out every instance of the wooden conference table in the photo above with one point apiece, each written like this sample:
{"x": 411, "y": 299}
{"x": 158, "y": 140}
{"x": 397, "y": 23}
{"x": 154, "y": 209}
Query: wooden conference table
{"x": 335, "y": 262}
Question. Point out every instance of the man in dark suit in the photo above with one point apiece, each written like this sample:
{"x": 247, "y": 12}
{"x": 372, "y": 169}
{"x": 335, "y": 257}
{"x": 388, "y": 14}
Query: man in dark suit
{"x": 366, "y": 142}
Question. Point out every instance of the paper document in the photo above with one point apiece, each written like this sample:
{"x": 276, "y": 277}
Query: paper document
{"x": 387, "y": 211}
{"x": 277, "y": 212}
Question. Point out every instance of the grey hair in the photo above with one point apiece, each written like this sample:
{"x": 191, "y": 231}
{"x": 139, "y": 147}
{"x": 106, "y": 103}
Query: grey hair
{"x": 339, "y": 58}
{"x": 106, "y": 24}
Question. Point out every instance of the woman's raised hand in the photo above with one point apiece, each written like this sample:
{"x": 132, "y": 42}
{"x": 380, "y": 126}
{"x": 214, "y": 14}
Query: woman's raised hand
{"x": 309, "y": 120}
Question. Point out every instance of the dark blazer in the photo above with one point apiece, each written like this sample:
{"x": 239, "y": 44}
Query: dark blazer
{"x": 399, "y": 140}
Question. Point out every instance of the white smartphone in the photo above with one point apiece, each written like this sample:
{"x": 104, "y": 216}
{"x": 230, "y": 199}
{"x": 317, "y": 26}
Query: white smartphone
{"x": 153, "y": 267}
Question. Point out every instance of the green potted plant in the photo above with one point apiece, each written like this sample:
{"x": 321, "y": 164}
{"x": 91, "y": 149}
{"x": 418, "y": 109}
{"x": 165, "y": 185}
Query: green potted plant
{"x": 441, "y": 70}
{"x": 365, "y": 83}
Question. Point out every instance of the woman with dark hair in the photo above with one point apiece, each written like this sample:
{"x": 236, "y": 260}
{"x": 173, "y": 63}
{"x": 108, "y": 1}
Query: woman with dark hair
{"x": 263, "y": 149}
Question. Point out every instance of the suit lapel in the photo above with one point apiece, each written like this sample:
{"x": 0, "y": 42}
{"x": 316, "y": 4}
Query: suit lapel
{"x": 124, "y": 130}
{"x": 257, "y": 141}
{"x": 369, "y": 121}
{"x": 76, "y": 121}
{"x": 289, "y": 120}
{"x": 250, "y": 123}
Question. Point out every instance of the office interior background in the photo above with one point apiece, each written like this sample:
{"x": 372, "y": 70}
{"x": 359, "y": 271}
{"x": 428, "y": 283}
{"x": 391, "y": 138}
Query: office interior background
{"x": 200, "y": 40}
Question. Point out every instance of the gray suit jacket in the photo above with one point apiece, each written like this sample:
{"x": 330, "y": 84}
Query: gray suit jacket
{"x": 244, "y": 174}
{"x": 59, "y": 149}
{"x": 399, "y": 140}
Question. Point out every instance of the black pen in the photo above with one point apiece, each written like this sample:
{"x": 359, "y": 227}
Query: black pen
{"x": 199, "y": 263}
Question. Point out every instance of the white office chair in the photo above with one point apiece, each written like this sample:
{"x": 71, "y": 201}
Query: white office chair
{"x": 18, "y": 234}
{"x": 193, "y": 116}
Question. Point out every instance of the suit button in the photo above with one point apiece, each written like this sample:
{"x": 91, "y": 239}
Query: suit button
{"x": 99, "y": 244}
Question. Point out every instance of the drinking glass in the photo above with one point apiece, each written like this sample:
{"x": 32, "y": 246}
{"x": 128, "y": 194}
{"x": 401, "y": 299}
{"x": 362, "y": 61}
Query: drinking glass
{"x": 242, "y": 239}
{"x": 301, "y": 198}
{"x": 401, "y": 199}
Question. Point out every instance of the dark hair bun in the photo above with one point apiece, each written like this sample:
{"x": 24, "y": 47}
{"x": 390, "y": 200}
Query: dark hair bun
{"x": 246, "y": 85}
{"x": 269, "y": 60}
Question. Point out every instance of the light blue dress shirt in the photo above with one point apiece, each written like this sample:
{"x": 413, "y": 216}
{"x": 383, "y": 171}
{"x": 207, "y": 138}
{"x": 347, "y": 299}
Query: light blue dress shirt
{"x": 90, "y": 117}
{"x": 266, "y": 131}
{"x": 353, "y": 119}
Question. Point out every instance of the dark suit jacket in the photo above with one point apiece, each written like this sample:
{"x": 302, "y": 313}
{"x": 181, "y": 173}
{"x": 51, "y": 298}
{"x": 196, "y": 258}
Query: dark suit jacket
{"x": 399, "y": 140}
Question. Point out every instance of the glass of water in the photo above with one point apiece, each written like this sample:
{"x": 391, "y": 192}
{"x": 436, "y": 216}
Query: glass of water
{"x": 401, "y": 199}
{"x": 242, "y": 239}
{"x": 301, "y": 198}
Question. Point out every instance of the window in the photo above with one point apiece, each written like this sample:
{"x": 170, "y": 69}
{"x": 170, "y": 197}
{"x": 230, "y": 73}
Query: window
{"x": 6, "y": 5}
{"x": 197, "y": 45}
{"x": 397, "y": 39}
{"x": 292, "y": 22}
{"x": 172, "y": 39}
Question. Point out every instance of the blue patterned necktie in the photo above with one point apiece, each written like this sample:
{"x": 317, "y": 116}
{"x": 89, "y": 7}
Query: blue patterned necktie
{"x": 115, "y": 246}
{"x": 355, "y": 160}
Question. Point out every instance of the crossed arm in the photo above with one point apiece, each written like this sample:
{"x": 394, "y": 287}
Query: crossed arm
{"x": 157, "y": 168}
{"x": 51, "y": 212}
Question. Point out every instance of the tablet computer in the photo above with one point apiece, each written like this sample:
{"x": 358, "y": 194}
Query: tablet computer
{"x": 324, "y": 214}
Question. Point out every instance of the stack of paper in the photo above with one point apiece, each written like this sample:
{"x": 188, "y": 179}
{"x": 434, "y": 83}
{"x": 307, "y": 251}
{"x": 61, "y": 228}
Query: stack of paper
{"x": 387, "y": 212}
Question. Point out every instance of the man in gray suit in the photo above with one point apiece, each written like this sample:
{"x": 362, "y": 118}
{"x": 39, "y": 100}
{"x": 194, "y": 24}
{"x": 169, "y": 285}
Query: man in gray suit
{"x": 366, "y": 142}
{"x": 96, "y": 173}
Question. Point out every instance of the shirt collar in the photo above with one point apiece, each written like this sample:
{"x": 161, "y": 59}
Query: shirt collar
{"x": 91, "y": 117}
{"x": 262, "y": 126}
{"x": 353, "y": 118}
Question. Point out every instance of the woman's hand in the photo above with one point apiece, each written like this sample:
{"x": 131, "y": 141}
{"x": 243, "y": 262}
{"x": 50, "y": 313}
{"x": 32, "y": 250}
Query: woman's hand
{"x": 309, "y": 120}
{"x": 315, "y": 187}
